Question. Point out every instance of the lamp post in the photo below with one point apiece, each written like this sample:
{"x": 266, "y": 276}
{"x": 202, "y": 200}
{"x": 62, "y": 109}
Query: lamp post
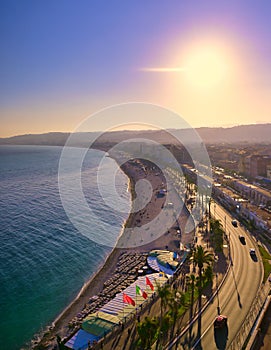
{"x": 230, "y": 249}
{"x": 218, "y": 306}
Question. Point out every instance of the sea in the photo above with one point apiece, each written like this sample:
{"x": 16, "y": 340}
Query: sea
{"x": 44, "y": 258}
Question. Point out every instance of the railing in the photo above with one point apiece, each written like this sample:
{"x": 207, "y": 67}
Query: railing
{"x": 243, "y": 333}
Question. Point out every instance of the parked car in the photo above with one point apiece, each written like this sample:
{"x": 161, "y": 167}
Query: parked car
{"x": 220, "y": 321}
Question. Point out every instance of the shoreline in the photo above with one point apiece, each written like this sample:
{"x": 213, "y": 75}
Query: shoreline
{"x": 107, "y": 268}
{"x": 90, "y": 288}
{"x": 103, "y": 265}
{"x": 82, "y": 290}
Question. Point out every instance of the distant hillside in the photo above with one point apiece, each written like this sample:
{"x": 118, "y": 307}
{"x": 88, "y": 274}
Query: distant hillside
{"x": 52, "y": 138}
{"x": 245, "y": 133}
{"x": 254, "y": 133}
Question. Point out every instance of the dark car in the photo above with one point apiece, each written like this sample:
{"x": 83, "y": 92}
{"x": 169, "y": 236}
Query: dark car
{"x": 253, "y": 255}
{"x": 234, "y": 223}
{"x": 220, "y": 321}
{"x": 242, "y": 239}
{"x": 252, "y": 252}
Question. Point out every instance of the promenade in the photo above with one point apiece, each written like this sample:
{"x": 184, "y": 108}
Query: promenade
{"x": 98, "y": 290}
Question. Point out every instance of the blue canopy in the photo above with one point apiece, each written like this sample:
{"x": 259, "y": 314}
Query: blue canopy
{"x": 80, "y": 340}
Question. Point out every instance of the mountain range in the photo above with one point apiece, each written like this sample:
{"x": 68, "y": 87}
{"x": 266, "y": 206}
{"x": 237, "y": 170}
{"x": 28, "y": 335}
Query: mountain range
{"x": 255, "y": 133}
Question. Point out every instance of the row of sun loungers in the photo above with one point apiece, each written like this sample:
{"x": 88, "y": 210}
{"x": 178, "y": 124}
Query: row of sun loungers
{"x": 116, "y": 305}
{"x": 126, "y": 273}
{"x": 117, "y": 309}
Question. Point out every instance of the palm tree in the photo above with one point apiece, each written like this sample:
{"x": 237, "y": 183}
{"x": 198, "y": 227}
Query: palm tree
{"x": 188, "y": 183}
{"x": 147, "y": 332}
{"x": 177, "y": 300}
{"x": 201, "y": 257}
{"x": 217, "y": 234}
{"x": 187, "y": 180}
{"x": 215, "y": 225}
{"x": 191, "y": 283}
{"x": 209, "y": 205}
{"x": 165, "y": 295}
{"x": 165, "y": 326}
{"x": 208, "y": 274}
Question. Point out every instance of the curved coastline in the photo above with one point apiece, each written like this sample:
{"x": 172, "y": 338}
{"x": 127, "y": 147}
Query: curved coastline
{"x": 90, "y": 288}
{"x": 95, "y": 284}
{"x": 87, "y": 290}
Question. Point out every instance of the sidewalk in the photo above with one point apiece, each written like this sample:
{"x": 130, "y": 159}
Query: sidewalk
{"x": 221, "y": 259}
{"x": 262, "y": 337}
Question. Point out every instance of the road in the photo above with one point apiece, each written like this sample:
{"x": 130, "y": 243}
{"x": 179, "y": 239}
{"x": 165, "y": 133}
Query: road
{"x": 235, "y": 296}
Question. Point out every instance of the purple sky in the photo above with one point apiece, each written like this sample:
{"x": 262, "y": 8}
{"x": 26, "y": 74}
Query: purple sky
{"x": 63, "y": 60}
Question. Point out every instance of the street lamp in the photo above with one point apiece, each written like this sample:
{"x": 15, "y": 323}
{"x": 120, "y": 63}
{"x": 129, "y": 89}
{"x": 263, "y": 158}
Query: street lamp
{"x": 230, "y": 249}
{"x": 218, "y": 306}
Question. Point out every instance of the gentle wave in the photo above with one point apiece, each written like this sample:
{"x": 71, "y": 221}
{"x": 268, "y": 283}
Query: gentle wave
{"x": 44, "y": 260}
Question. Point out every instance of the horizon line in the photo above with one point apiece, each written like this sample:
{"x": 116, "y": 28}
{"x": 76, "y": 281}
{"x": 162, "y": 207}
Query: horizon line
{"x": 225, "y": 126}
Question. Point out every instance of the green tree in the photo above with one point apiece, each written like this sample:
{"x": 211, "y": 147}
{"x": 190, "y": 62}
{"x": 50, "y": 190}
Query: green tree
{"x": 164, "y": 294}
{"x": 176, "y": 302}
{"x": 60, "y": 344}
{"x": 165, "y": 326}
{"x": 208, "y": 274}
{"x": 188, "y": 182}
{"x": 201, "y": 257}
{"x": 192, "y": 282}
{"x": 215, "y": 225}
{"x": 147, "y": 332}
{"x": 217, "y": 234}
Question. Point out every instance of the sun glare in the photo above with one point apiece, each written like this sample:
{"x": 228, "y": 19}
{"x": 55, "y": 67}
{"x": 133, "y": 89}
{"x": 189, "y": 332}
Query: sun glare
{"x": 206, "y": 68}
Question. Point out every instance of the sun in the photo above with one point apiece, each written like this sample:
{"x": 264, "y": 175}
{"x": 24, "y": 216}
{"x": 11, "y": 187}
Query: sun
{"x": 203, "y": 66}
{"x": 206, "y": 68}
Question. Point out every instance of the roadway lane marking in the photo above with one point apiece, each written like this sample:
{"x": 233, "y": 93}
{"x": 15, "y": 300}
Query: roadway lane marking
{"x": 203, "y": 334}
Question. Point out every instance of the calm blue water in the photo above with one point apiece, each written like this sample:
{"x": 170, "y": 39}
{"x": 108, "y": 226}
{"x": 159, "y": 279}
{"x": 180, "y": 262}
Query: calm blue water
{"x": 44, "y": 260}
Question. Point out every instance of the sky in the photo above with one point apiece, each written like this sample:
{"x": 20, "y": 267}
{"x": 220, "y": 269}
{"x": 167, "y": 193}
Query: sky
{"x": 61, "y": 61}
